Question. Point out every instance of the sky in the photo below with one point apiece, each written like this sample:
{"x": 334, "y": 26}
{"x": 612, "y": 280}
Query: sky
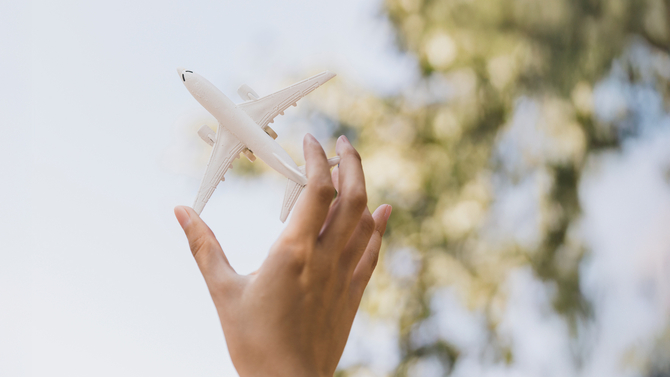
{"x": 96, "y": 151}
{"x": 98, "y": 145}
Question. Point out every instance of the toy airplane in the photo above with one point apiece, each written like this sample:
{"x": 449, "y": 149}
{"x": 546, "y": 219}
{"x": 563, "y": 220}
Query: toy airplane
{"x": 244, "y": 129}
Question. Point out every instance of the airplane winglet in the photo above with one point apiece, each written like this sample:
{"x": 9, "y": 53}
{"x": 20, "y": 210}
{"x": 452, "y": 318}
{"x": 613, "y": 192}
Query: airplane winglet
{"x": 328, "y": 75}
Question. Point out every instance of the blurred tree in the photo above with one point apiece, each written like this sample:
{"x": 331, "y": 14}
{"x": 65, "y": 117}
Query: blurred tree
{"x": 505, "y": 99}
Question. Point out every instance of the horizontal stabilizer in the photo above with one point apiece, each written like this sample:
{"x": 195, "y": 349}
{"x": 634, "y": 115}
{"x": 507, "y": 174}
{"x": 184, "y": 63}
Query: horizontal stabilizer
{"x": 331, "y": 162}
{"x": 247, "y": 93}
{"x": 207, "y": 134}
{"x": 334, "y": 161}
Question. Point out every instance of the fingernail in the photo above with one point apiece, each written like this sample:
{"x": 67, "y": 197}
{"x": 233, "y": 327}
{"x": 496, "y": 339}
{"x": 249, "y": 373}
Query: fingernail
{"x": 310, "y": 136}
{"x": 340, "y": 140}
{"x": 182, "y": 216}
{"x": 388, "y": 212}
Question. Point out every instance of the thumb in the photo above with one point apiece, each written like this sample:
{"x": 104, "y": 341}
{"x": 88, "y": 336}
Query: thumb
{"x": 206, "y": 249}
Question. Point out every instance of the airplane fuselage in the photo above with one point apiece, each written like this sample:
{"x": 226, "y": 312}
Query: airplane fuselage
{"x": 237, "y": 122}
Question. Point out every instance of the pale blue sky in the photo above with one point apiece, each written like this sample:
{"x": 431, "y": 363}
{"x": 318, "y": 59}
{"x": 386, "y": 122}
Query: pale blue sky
{"x": 100, "y": 278}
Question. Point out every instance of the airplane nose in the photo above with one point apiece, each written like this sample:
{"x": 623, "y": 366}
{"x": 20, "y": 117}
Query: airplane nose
{"x": 181, "y": 72}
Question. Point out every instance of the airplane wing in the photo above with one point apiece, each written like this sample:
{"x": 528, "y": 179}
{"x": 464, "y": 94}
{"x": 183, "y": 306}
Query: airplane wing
{"x": 264, "y": 110}
{"x": 226, "y": 149}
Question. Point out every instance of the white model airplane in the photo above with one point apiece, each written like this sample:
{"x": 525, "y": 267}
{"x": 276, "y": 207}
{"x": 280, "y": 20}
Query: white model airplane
{"x": 244, "y": 129}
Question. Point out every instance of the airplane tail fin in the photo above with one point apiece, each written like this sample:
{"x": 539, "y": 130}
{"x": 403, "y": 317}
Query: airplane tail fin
{"x": 198, "y": 207}
{"x": 293, "y": 190}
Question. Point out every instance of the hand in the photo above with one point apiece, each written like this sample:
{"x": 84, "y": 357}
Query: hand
{"x": 292, "y": 317}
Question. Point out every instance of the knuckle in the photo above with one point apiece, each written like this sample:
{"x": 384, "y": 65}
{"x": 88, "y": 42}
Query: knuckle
{"x": 358, "y": 198}
{"x": 296, "y": 261}
{"x": 199, "y": 243}
{"x": 324, "y": 190}
{"x": 367, "y": 224}
{"x": 321, "y": 273}
{"x": 294, "y": 251}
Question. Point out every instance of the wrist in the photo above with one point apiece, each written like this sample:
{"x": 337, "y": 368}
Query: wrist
{"x": 293, "y": 370}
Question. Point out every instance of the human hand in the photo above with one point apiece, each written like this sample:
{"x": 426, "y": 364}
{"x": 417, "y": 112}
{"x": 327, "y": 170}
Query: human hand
{"x": 292, "y": 317}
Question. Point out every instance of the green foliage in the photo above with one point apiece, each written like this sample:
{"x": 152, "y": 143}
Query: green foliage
{"x": 431, "y": 152}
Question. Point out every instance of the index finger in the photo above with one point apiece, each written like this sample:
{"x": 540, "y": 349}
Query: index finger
{"x": 351, "y": 199}
{"x": 312, "y": 208}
